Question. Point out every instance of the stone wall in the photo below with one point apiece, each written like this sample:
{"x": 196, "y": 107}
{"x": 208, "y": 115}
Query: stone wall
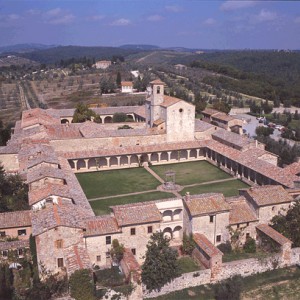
{"x": 245, "y": 267}
{"x": 187, "y": 280}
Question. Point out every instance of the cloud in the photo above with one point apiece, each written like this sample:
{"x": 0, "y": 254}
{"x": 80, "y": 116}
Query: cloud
{"x": 65, "y": 19}
{"x": 265, "y": 16}
{"x": 95, "y": 17}
{"x": 57, "y": 16}
{"x": 54, "y": 12}
{"x": 155, "y": 18}
{"x": 234, "y": 5}
{"x": 121, "y": 22}
{"x": 13, "y": 17}
{"x": 210, "y": 21}
{"x": 173, "y": 8}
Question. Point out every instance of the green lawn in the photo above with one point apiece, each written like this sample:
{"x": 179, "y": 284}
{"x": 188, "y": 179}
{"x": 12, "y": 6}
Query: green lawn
{"x": 187, "y": 265}
{"x": 243, "y": 255}
{"x": 116, "y": 182}
{"x": 101, "y": 207}
{"x": 228, "y": 188}
{"x": 192, "y": 172}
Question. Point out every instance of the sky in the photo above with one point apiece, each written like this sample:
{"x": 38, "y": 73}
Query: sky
{"x": 179, "y": 23}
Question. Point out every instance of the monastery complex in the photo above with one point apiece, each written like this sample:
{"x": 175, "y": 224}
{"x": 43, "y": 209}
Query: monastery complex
{"x": 47, "y": 149}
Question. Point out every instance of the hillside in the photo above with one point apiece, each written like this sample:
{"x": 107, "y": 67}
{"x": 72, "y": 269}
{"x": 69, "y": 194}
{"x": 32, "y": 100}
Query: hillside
{"x": 54, "y": 55}
{"x": 22, "y": 48}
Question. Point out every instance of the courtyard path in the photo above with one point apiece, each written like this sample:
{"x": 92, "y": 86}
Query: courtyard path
{"x": 158, "y": 178}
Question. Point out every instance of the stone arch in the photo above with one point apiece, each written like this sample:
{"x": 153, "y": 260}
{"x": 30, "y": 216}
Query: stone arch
{"x": 193, "y": 153}
{"x": 64, "y": 121}
{"x": 177, "y": 214}
{"x": 154, "y": 157}
{"x": 177, "y": 232}
{"x": 72, "y": 164}
{"x": 164, "y": 156}
{"x": 183, "y": 154}
{"x": 102, "y": 162}
{"x": 92, "y": 163}
{"x": 81, "y": 164}
{"x": 108, "y": 119}
{"x": 113, "y": 161}
{"x": 168, "y": 233}
{"x": 174, "y": 155}
{"x": 130, "y": 117}
{"x": 134, "y": 159}
{"x": 124, "y": 160}
{"x": 167, "y": 215}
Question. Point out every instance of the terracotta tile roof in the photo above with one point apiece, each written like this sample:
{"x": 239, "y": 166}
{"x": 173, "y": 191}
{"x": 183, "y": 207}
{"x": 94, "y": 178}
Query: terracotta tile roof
{"x": 269, "y": 195}
{"x": 240, "y": 211}
{"x": 204, "y": 244}
{"x": 210, "y": 111}
{"x": 293, "y": 168}
{"x": 76, "y": 258}
{"x": 14, "y": 245}
{"x": 64, "y": 131}
{"x": 138, "y": 213}
{"x": 158, "y": 122}
{"x": 101, "y": 225}
{"x": 222, "y": 116}
{"x": 206, "y": 204}
{"x": 126, "y": 83}
{"x": 15, "y": 219}
{"x": 54, "y": 215}
{"x": 37, "y": 195}
{"x": 273, "y": 234}
{"x": 42, "y": 172}
{"x": 157, "y": 81}
{"x": 132, "y": 266}
{"x": 168, "y": 101}
{"x": 37, "y": 116}
{"x": 140, "y": 111}
{"x": 202, "y": 126}
{"x": 232, "y": 138}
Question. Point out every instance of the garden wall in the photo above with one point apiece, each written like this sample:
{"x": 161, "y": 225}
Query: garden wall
{"x": 245, "y": 267}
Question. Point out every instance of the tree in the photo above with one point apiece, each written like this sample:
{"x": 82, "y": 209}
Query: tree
{"x": 229, "y": 289}
{"x": 160, "y": 265}
{"x": 82, "y": 113}
{"x": 117, "y": 250}
{"x": 222, "y": 106}
{"x": 265, "y": 131}
{"x": 119, "y": 79}
{"x": 289, "y": 225}
{"x": 119, "y": 117}
{"x": 81, "y": 285}
{"x": 188, "y": 244}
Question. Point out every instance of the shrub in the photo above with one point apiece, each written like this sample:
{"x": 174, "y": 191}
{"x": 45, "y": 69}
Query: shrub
{"x": 81, "y": 285}
{"x": 250, "y": 246}
{"x": 119, "y": 117}
{"x": 188, "y": 244}
{"x": 225, "y": 247}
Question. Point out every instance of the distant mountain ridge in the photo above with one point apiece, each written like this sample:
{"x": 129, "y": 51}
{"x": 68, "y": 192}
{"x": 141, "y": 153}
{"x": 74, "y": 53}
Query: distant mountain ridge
{"x": 140, "y": 47}
{"x": 23, "y": 48}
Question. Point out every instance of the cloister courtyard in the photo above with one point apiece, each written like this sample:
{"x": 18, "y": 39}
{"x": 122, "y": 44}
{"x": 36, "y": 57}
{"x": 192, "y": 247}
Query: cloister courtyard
{"x": 116, "y": 187}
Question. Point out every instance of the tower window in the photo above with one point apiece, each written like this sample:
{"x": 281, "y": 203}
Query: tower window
{"x": 158, "y": 90}
{"x": 180, "y": 110}
{"x": 211, "y": 219}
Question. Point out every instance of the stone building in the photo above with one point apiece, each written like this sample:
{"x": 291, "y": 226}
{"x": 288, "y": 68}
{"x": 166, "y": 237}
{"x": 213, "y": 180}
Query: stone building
{"x": 46, "y": 149}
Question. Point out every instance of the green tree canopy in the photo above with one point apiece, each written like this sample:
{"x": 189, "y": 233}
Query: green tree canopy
{"x": 82, "y": 113}
{"x": 265, "y": 131}
{"x": 81, "y": 285}
{"x": 119, "y": 117}
{"x": 289, "y": 225}
{"x": 160, "y": 265}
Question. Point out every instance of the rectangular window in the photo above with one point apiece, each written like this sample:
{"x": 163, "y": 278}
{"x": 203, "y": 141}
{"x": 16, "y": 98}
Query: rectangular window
{"x": 60, "y": 262}
{"x": 132, "y": 231}
{"x": 238, "y": 226}
{"x": 133, "y": 251}
{"x": 150, "y": 229}
{"x": 20, "y": 252}
{"x": 107, "y": 254}
{"x": 4, "y": 253}
{"x": 247, "y": 235}
{"x": 211, "y": 219}
{"x": 219, "y": 238}
{"x": 59, "y": 244}
{"x": 98, "y": 258}
{"x": 2, "y": 234}
{"x": 108, "y": 240}
{"x": 22, "y": 232}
